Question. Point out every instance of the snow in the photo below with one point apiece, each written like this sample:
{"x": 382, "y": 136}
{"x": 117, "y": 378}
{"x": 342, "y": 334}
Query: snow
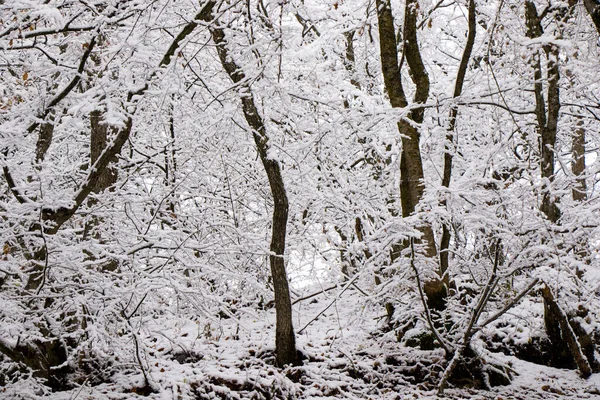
{"x": 349, "y": 359}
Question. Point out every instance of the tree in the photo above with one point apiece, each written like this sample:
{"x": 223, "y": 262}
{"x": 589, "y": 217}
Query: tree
{"x": 285, "y": 339}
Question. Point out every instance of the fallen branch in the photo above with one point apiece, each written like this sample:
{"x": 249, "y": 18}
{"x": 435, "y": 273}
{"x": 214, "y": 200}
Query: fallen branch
{"x": 567, "y": 332}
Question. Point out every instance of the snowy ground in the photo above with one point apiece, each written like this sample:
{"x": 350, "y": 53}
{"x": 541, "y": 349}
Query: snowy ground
{"x": 347, "y": 359}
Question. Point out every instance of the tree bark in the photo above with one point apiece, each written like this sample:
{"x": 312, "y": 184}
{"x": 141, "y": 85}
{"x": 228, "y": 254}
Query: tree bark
{"x": 411, "y": 164}
{"x": 578, "y": 164}
{"x": 44, "y": 139}
{"x": 285, "y": 339}
{"x": 547, "y": 121}
{"x": 99, "y": 134}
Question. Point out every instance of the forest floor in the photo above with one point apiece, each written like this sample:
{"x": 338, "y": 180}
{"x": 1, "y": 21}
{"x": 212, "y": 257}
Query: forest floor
{"x": 347, "y": 358}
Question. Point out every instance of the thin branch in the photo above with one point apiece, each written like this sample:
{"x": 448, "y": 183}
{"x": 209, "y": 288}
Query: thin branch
{"x": 63, "y": 93}
{"x": 12, "y": 187}
{"x": 310, "y": 296}
{"x": 331, "y": 303}
{"x": 491, "y": 103}
{"x": 507, "y": 307}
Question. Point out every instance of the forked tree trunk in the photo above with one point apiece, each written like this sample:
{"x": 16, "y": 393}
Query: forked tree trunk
{"x": 411, "y": 164}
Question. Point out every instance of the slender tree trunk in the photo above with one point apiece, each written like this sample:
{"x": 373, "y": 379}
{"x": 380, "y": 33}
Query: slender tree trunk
{"x": 285, "y": 339}
{"x": 579, "y": 191}
{"x": 449, "y": 150}
{"x": 350, "y": 62}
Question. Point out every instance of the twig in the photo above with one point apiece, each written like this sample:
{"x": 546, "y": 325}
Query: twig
{"x": 330, "y": 304}
{"x": 507, "y": 307}
{"x": 314, "y": 294}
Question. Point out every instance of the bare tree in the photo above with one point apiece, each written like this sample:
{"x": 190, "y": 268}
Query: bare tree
{"x": 411, "y": 164}
{"x": 285, "y": 338}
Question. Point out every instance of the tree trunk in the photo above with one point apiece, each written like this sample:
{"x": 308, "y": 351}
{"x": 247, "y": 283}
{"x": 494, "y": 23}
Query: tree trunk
{"x": 578, "y": 164}
{"x": 593, "y": 9}
{"x": 44, "y": 139}
{"x": 547, "y": 121}
{"x": 411, "y": 164}
{"x": 99, "y": 135}
{"x": 285, "y": 338}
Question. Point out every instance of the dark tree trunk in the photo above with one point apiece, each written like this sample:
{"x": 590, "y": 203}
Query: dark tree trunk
{"x": 285, "y": 338}
{"x": 99, "y": 135}
{"x": 578, "y": 164}
{"x": 547, "y": 117}
{"x": 44, "y": 139}
{"x": 411, "y": 164}
{"x": 350, "y": 62}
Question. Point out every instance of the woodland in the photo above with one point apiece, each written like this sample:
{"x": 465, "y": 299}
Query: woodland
{"x": 265, "y": 199}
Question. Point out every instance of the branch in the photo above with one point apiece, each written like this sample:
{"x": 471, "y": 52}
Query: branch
{"x": 306, "y": 27}
{"x": 46, "y": 32}
{"x": 60, "y": 96}
{"x": 429, "y": 13}
{"x": 62, "y": 215}
{"x": 204, "y": 15}
{"x": 491, "y": 103}
{"x": 310, "y": 296}
{"x": 507, "y": 307}
{"x": 13, "y": 189}
{"x": 331, "y": 303}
